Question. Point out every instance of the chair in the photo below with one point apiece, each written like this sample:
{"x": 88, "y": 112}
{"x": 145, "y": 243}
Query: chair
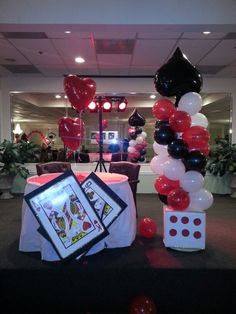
{"x": 52, "y": 167}
{"x": 131, "y": 170}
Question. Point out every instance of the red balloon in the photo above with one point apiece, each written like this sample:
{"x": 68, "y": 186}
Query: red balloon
{"x": 147, "y": 228}
{"x": 80, "y": 92}
{"x": 196, "y": 133}
{"x": 178, "y": 199}
{"x": 203, "y": 147}
{"x": 163, "y": 109}
{"x": 131, "y": 130}
{"x": 180, "y": 121}
{"x": 139, "y": 147}
{"x": 142, "y": 305}
{"x": 104, "y": 124}
{"x": 71, "y": 132}
{"x": 163, "y": 185}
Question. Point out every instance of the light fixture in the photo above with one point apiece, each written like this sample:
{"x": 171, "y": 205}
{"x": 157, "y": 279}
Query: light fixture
{"x": 17, "y": 129}
{"x": 206, "y": 32}
{"x": 67, "y": 32}
{"x": 58, "y": 96}
{"x": 152, "y": 96}
{"x": 107, "y": 105}
{"x": 93, "y": 107}
{"x": 122, "y": 105}
{"x": 79, "y": 60}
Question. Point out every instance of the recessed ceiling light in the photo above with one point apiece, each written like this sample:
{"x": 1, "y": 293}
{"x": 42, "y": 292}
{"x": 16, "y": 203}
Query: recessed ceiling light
{"x": 65, "y": 97}
{"x": 57, "y": 96}
{"x": 152, "y": 96}
{"x": 206, "y": 32}
{"x": 79, "y": 60}
{"x": 67, "y": 32}
{"x": 133, "y": 93}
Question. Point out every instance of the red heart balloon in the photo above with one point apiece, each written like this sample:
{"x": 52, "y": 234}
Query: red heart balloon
{"x": 80, "y": 92}
{"x": 71, "y": 132}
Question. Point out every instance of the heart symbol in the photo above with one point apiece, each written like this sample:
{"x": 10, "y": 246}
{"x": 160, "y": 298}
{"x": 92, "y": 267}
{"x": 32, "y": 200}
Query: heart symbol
{"x": 71, "y": 132}
{"x": 86, "y": 225}
{"x": 80, "y": 92}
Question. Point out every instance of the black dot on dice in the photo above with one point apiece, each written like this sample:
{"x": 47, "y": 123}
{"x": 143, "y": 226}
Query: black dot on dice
{"x": 173, "y": 219}
{"x": 184, "y": 220}
{"x": 185, "y": 232}
{"x": 197, "y": 221}
{"x": 197, "y": 235}
{"x": 173, "y": 232}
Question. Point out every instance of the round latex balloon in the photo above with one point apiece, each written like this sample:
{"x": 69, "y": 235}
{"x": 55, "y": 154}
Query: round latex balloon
{"x": 196, "y": 134}
{"x": 71, "y": 131}
{"x": 136, "y": 119}
{"x": 192, "y": 181}
{"x": 164, "y": 135}
{"x": 200, "y": 200}
{"x": 203, "y": 147}
{"x": 160, "y": 149}
{"x": 104, "y": 124}
{"x": 132, "y": 143}
{"x": 180, "y": 121}
{"x": 163, "y": 185}
{"x": 163, "y": 109}
{"x": 178, "y": 199}
{"x": 80, "y": 91}
{"x": 173, "y": 169}
{"x": 177, "y": 149}
{"x": 190, "y": 103}
{"x": 199, "y": 119}
{"x": 161, "y": 123}
{"x": 195, "y": 160}
{"x": 142, "y": 305}
{"x": 138, "y": 130}
{"x": 157, "y": 164}
{"x": 144, "y": 135}
{"x": 147, "y": 227}
{"x": 177, "y": 77}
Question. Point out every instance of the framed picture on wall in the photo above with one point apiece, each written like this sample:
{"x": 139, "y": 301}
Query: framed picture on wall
{"x": 66, "y": 216}
{"x": 94, "y": 134}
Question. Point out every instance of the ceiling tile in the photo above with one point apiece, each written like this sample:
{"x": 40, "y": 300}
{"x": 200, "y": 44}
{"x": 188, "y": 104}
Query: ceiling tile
{"x": 5, "y": 72}
{"x": 229, "y": 71}
{"x": 222, "y": 54}
{"x": 114, "y": 46}
{"x": 139, "y": 71}
{"x": 122, "y": 34}
{"x": 115, "y": 72}
{"x": 21, "y": 68}
{"x": 8, "y": 51}
{"x": 52, "y": 69}
{"x": 113, "y": 61}
{"x": 152, "y": 52}
{"x": 158, "y": 35}
{"x": 196, "y": 49}
{"x": 24, "y": 35}
{"x": 72, "y": 35}
{"x": 83, "y": 71}
{"x": 38, "y": 51}
{"x": 200, "y": 35}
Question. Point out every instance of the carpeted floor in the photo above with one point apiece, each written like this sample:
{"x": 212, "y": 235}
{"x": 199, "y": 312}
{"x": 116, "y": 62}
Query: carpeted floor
{"x": 178, "y": 282}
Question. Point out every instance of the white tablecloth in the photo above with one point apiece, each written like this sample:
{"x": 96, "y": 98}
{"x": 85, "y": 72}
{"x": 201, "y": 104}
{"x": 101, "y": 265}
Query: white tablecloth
{"x": 122, "y": 232}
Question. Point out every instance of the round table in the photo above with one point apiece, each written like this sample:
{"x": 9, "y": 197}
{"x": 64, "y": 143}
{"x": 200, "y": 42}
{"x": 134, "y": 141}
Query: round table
{"x": 122, "y": 231}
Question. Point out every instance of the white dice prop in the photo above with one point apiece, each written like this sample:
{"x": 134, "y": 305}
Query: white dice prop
{"x": 184, "y": 229}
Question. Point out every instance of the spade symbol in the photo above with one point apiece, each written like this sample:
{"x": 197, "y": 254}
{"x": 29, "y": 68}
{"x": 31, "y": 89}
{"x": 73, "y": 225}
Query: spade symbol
{"x": 136, "y": 119}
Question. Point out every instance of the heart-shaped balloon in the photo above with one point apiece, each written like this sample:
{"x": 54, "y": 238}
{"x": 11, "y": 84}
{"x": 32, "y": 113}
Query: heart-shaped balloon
{"x": 80, "y": 91}
{"x": 71, "y": 132}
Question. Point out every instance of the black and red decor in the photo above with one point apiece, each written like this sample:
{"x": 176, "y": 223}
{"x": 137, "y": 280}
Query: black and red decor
{"x": 181, "y": 146}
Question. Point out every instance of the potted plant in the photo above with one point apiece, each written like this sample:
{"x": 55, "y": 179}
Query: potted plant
{"x": 221, "y": 166}
{"x": 12, "y": 158}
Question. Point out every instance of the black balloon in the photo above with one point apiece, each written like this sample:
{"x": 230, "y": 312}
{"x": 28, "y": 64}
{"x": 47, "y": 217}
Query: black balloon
{"x": 163, "y": 198}
{"x": 177, "y": 77}
{"x": 136, "y": 119}
{"x": 178, "y": 149}
{"x": 143, "y": 151}
{"x": 132, "y": 135}
{"x": 141, "y": 158}
{"x": 138, "y": 130}
{"x": 164, "y": 135}
{"x": 161, "y": 123}
{"x": 195, "y": 160}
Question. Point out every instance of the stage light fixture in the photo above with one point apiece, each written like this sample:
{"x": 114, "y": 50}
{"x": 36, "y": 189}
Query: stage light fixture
{"x": 107, "y": 105}
{"x": 122, "y": 105}
{"x": 93, "y": 107}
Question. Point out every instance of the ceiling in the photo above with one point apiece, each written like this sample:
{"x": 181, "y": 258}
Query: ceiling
{"x": 33, "y": 43}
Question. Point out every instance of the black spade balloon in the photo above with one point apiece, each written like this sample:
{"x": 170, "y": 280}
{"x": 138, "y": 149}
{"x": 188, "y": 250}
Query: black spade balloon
{"x": 136, "y": 119}
{"x": 177, "y": 77}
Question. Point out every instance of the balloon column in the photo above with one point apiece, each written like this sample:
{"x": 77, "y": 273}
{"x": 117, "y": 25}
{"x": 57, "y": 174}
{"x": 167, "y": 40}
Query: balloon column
{"x": 181, "y": 138}
{"x": 137, "y": 138}
{"x": 80, "y": 93}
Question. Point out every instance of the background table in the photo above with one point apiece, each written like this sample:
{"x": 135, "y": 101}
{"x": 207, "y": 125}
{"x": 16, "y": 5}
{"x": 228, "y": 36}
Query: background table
{"x": 121, "y": 233}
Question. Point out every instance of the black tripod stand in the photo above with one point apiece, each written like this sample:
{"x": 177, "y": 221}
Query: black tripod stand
{"x": 100, "y": 162}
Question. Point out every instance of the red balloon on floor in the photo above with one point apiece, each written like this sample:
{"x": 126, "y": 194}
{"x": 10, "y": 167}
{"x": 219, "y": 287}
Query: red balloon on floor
{"x": 147, "y": 227}
{"x": 142, "y": 305}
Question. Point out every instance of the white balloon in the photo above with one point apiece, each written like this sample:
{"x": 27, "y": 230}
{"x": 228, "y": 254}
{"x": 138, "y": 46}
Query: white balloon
{"x": 160, "y": 149}
{"x": 200, "y": 200}
{"x": 192, "y": 181}
{"x": 173, "y": 169}
{"x": 144, "y": 135}
{"x": 157, "y": 163}
{"x": 199, "y": 119}
{"x": 131, "y": 149}
{"x": 132, "y": 143}
{"x": 190, "y": 102}
{"x": 139, "y": 139}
